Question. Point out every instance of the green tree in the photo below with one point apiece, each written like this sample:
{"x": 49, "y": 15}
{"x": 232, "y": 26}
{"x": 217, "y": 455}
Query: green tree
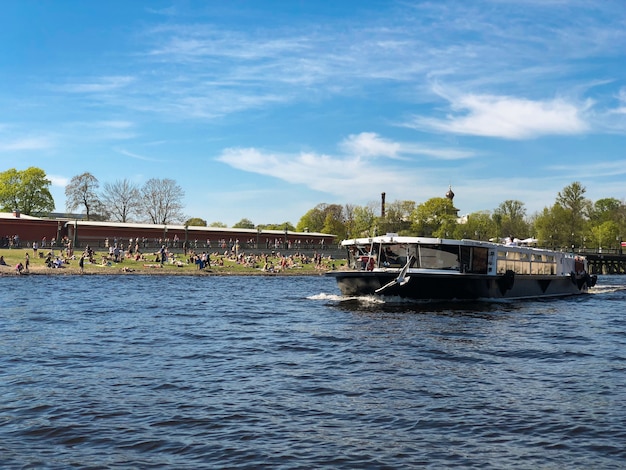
{"x": 282, "y": 226}
{"x": 577, "y": 208}
{"x": 510, "y": 218}
{"x": 605, "y": 235}
{"x": 195, "y": 222}
{"x": 82, "y": 191}
{"x": 397, "y": 217}
{"x": 334, "y": 226}
{"x": 609, "y": 209}
{"x": 479, "y": 226}
{"x": 334, "y": 221}
{"x": 244, "y": 223}
{"x": 552, "y": 227}
{"x": 434, "y": 218}
{"x": 315, "y": 219}
{"x": 218, "y": 224}
{"x": 26, "y": 191}
{"x": 364, "y": 221}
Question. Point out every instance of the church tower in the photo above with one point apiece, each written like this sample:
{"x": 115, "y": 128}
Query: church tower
{"x": 450, "y": 195}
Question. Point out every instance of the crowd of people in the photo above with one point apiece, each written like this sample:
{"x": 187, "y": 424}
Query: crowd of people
{"x": 215, "y": 254}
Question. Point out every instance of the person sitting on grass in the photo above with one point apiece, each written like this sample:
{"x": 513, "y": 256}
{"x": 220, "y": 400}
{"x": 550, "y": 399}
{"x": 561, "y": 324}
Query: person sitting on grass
{"x": 2, "y": 261}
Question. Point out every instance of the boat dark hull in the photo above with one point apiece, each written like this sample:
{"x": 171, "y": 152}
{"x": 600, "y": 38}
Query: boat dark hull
{"x": 458, "y": 286}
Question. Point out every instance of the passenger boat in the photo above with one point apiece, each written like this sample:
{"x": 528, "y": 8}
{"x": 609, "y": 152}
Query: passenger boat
{"x": 434, "y": 268}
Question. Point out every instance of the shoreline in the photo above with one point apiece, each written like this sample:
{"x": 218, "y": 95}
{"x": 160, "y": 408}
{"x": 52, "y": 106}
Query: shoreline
{"x": 221, "y": 265}
{"x": 9, "y": 271}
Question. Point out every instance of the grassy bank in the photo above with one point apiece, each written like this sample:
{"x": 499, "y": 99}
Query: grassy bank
{"x": 180, "y": 264}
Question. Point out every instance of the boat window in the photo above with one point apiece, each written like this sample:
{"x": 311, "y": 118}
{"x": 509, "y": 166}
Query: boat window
{"x": 438, "y": 257}
{"x": 526, "y": 263}
{"x": 357, "y": 255}
{"x": 393, "y": 255}
{"x": 480, "y": 258}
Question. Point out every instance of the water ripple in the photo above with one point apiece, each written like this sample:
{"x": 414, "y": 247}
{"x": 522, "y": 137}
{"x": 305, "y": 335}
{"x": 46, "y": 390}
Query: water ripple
{"x": 251, "y": 372}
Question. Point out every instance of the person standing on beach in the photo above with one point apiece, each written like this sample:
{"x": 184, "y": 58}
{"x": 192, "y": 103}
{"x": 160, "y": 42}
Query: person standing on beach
{"x": 26, "y": 263}
{"x": 81, "y": 263}
{"x": 162, "y": 255}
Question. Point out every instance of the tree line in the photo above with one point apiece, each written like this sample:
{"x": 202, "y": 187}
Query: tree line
{"x": 572, "y": 221}
{"x": 158, "y": 201}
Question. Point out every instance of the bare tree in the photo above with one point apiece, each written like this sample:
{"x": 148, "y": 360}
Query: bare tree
{"x": 122, "y": 200}
{"x": 162, "y": 201}
{"x": 82, "y": 192}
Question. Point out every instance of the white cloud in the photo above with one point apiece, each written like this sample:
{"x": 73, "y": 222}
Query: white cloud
{"x": 350, "y": 177}
{"x": 115, "y": 124}
{"x": 58, "y": 181}
{"x": 369, "y": 164}
{"x": 168, "y": 11}
{"x": 621, "y": 98}
{"x": 593, "y": 169}
{"x": 508, "y": 117}
{"x": 26, "y": 143}
{"x": 370, "y": 144}
{"x": 99, "y": 85}
{"x": 136, "y": 156}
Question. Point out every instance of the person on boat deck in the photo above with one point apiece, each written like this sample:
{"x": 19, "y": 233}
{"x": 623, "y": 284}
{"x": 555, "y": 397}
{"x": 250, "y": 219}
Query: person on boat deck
{"x": 390, "y": 256}
{"x": 510, "y": 241}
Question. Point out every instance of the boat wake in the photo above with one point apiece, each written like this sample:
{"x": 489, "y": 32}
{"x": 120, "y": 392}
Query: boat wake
{"x": 365, "y": 299}
{"x": 606, "y": 289}
{"x": 324, "y": 296}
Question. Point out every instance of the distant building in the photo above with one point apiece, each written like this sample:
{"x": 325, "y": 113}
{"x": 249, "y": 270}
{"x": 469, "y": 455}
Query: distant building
{"x": 103, "y": 234}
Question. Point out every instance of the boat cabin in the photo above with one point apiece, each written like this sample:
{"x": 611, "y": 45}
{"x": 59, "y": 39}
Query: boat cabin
{"x": 391, "y": 252}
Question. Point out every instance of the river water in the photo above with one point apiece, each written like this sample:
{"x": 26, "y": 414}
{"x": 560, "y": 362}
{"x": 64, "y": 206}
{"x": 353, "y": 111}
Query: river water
{"x": 281, "y": 372}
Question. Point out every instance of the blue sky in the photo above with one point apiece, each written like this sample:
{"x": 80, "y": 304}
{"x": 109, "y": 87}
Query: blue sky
{"x": 264, "y": 109}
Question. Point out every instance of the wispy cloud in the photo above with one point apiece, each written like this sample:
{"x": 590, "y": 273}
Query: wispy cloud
{"x": 97, "y": 85}
{"x": 26, "y": 144}
{"x": 508, "y": 117}
{"x": 328, "y": 174}
{"x": 136, "y": 156}
{"x": 168, "y": 11}
{"x": 368, "y": 164}
{"x": 206, "y": 70}
{"x": 621, "y": 98}
{"x": 370, "y": 144}
{"x": 114, "y": 124}
{"x": 594, "y": 169}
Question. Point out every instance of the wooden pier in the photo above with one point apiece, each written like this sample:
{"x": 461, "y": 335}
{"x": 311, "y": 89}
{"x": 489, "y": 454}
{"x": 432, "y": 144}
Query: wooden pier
{"x": 605, "y": 262}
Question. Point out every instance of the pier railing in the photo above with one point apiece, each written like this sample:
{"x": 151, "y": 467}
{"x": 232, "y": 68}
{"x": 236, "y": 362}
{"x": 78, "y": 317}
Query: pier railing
{"x": 605, "y": 261}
